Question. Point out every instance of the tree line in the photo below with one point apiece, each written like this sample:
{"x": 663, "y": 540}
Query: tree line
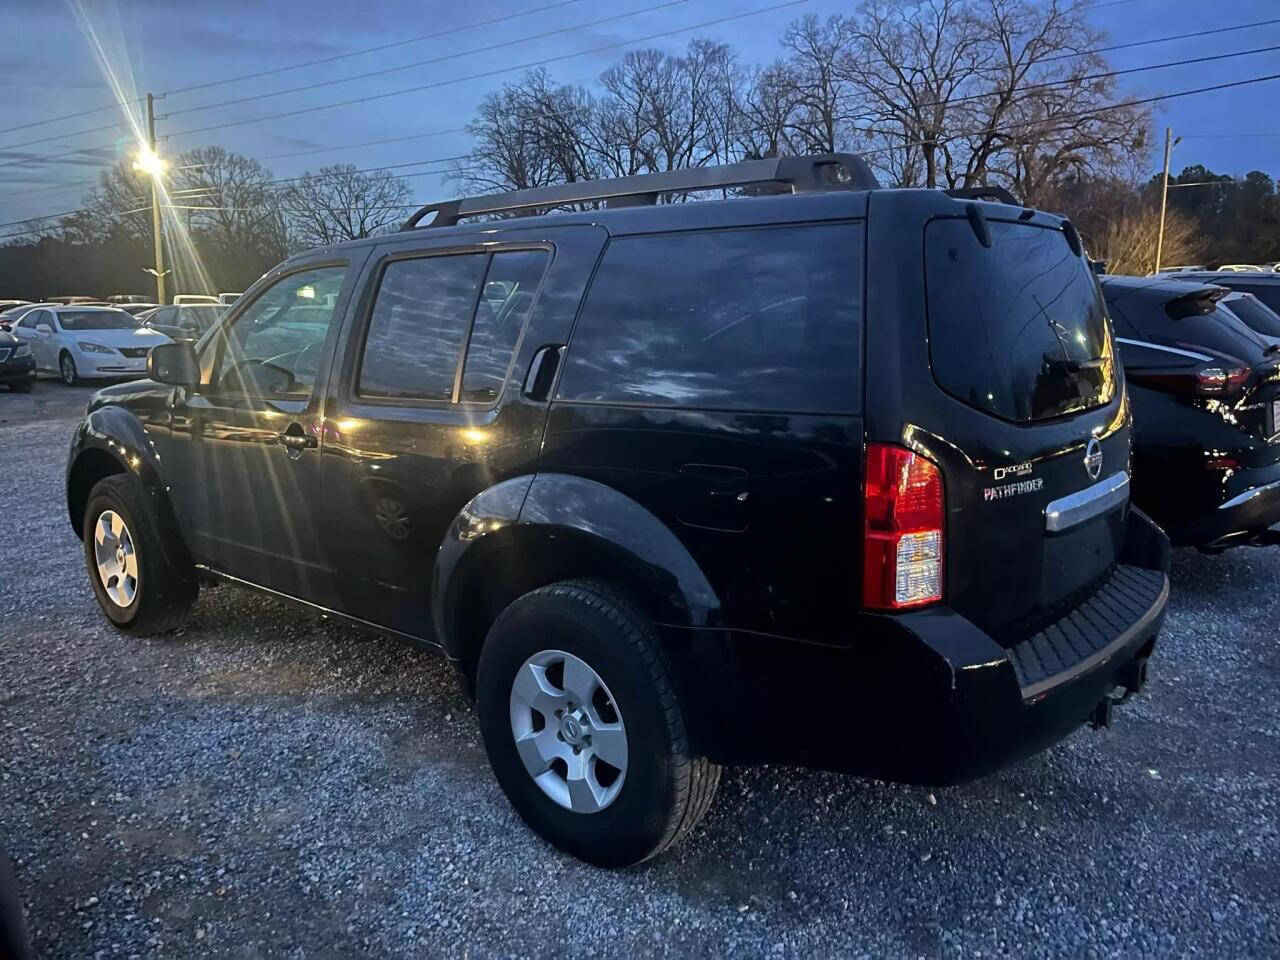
{"x": 227, "y": 221}
{"x": 940, "y": 93}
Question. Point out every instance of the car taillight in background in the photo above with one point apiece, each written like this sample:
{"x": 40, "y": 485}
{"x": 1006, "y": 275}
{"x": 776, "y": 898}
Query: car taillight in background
{"x": 904, "y": 529}
{"x": 1210, "y": 380}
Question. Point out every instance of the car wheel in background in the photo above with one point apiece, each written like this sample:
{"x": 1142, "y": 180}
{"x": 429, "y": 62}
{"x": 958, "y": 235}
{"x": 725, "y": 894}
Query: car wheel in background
{"x": 67, "y": 368}
{"x": 584, "y": 728}
{"x": 137, "y": 563}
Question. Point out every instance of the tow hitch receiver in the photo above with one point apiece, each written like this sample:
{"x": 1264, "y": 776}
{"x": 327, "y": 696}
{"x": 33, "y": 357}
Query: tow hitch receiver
{"x": 1100, "y": 718}
{"x": 1130, "y": 681}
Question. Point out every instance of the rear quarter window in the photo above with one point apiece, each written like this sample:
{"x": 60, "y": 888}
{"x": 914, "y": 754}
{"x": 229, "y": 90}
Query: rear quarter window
{"x": 1218, "y": 331}
{"x": 763, "y": 319}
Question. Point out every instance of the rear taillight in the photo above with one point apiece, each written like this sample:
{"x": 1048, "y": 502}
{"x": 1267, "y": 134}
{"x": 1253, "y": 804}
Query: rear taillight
{"x": 1211, "y": 380}
{"x": 904, "y": 532}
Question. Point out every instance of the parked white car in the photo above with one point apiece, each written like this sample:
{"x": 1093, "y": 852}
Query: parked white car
{"x": 81, "y": 342}
{"x": 190, "y": 298}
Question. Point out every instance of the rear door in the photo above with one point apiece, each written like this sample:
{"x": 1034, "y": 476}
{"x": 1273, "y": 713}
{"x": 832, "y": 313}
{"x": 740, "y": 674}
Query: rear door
{"x": 429, "y": 409}
{"x": 1000, "y": 368}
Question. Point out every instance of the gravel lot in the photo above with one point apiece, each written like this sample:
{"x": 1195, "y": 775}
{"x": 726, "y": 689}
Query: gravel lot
{"x": 267, "y": 784}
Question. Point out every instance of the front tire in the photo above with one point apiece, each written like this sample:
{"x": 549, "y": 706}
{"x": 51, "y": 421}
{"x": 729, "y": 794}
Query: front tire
{"x": 137, "y": 564}
{"x": 67, "y": 370}
{"x": 584, "y": 727}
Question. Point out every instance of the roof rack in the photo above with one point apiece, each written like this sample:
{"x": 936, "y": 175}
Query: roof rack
{"x": 999, "y": 194}
{"x": 808, "y": 174}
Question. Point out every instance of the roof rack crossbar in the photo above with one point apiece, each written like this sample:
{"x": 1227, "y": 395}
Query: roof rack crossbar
{"x": 808, "y": 174}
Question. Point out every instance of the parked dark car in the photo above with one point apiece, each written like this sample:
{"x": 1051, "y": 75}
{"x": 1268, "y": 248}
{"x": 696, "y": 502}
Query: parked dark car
{"x": 17, "y": 366}
{"x": 187, "y": 323}
{"x": 835, "y": 479}
{"x": 1205, "y": 390}
{"x": 1264, "y": 286}
{"x": 1254, "y": 314}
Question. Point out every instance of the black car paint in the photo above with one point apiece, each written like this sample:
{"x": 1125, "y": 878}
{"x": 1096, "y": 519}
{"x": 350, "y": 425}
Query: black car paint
{"x": 740, "y": 531}
{"x": 1177, "y": 437}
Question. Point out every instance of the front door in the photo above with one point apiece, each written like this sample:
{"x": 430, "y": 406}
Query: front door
{"x": 430, "y": 408}
{"x": 244, "y": 449}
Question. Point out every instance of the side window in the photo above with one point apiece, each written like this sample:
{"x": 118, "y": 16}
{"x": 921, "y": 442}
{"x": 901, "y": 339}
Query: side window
{"x": 274, "y": 346}
{"x": 509, "y": 290}
{"x": 164, "y": 317}
{"x": 28, "y": 322}
{"x": 419, "y": 320}
{"x": 765, "y": 319}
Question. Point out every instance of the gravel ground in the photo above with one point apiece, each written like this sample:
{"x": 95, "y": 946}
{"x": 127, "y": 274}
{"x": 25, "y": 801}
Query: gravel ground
{"x": 268, "y": 784}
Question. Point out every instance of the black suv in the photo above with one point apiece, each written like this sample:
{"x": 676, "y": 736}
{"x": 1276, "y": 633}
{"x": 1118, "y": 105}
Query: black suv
{"x": 837, "y": 478}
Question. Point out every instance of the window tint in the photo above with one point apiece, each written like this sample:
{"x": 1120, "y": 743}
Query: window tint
{"x": 274, "y": 346}
{"x": 762, "y": 319}
{"x": 1268, "y": 293}
{"x": 509, "y": 289}
{"x": 1016, "y": 329}
{"x": 1256, "y": 316}
{"x": 419, "y": 320}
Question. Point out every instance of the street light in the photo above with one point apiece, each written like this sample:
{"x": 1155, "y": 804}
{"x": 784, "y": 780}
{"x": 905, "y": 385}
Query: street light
{"x": 148, "y": 162}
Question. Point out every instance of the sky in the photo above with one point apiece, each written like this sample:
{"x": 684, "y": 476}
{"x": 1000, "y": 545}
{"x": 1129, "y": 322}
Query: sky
{"x": 83, "y": 54}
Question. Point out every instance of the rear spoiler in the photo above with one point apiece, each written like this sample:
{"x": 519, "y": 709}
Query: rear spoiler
{"x": 998, "y": 194}
{"x": 1197, "y": 303}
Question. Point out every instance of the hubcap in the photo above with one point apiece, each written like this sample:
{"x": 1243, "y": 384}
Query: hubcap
{"x": 68, "y": 369}
{"x": 116, "y": 558}
{"x": 568, "y": 731}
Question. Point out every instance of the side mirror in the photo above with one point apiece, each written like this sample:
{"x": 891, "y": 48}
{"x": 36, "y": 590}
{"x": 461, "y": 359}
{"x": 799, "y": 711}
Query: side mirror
{"x": 173, "y": 363}
{"x": 4, "y": 325}
{"x": 43, "y": 328}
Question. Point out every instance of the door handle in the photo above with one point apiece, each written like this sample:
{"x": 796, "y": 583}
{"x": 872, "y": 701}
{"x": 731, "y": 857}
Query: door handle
{"x": 294, "y": 440}
{"x": 542, "y": 372}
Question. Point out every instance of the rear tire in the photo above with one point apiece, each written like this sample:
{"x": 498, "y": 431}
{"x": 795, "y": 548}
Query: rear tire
{"x": 67, "y": 370}
{"x": 660, "y": 790}
{"x": 137, "y": 564}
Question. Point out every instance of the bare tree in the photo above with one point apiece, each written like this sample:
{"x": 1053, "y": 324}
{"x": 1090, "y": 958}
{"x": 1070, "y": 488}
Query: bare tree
{"x": 981, "y": 90}
{"x": 340, "y": 203}
{"x": 119, "y": 205}
{"x": 226, "y": 200}
{"x": 1127, "y": 243}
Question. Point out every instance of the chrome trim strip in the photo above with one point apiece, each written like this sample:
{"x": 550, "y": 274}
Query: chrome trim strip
{"x": 1117, "y": 645}
{"x": 1076, "y": 508}
{"x": 1164, "y": 349}
{"x": 1248, "y": 495}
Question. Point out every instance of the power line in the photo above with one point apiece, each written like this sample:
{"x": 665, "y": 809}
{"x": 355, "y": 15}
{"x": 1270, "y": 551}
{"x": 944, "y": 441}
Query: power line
{"x": 72, "y": 116}
{"x": 423, "y": 63}
{"x": 384, "y": 46}
{"x": 493, "y": 73}
{"x": 367, "y": 143}
{"x": 1195, "y": 35}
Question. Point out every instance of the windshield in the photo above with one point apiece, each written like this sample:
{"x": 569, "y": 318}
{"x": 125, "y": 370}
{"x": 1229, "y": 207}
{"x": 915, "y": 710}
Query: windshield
{"x": 207, "y": 315}
{"x": 1016, "y": 329}
{"x": 96, "y": 320}
{"x": 1256, "y": 316}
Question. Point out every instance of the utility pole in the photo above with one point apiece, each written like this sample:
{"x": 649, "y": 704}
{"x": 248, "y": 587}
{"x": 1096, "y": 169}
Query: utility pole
{"x": 1164, "y": 194}
{"x": 157, "y": 222}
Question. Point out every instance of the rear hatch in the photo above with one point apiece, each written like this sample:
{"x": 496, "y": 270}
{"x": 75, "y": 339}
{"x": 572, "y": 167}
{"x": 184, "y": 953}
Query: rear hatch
{"x": 1012, "y": 388}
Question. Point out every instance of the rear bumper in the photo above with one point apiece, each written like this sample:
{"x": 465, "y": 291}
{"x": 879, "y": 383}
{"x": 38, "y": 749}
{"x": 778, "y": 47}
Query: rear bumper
{"x": 1250, "y": 503}
{"x": 924, "y": 697}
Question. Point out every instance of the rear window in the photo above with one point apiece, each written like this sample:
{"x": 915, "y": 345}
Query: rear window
{"x": 1257, "y": 317}
{"x": 1218, "y": 330}
{"x": 1268, "y": 293}
{"x": 761, "y": 319}
{"x": 1016, "y": 329}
